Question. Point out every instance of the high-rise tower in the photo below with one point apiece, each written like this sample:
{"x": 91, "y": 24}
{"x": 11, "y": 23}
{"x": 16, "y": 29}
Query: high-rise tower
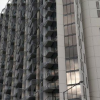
{"x": 48, "y": 47}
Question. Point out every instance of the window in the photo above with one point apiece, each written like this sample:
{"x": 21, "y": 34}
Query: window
{"x": 97, "y": 4}
{"x": 98, "y": 13}
{"x": 66, "y": 41}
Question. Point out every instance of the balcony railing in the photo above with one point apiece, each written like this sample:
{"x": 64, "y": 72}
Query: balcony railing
{"x": 19, "y": 73}
{"x": 51, "y": 65}
{"x": 19, "y": 65}
{"x": 31, "y": 76}
{"x": 51, "y": 88}
{"x": 51, "y": 75}
{"x": 48, "y": 3}
{"x": 31, "y": 56}
{"x": 52, "y": 98}
{"x": 33, "y": 83}
{"x": 7, "y": 90}
{"x": 49, "y": 22}
{"x": 9, "y": 73}
{"x": 50, "y": 42}
{"x": 51, "y": 53}
{"x": 49, "y": 12}
{"x": 18, "y": 83}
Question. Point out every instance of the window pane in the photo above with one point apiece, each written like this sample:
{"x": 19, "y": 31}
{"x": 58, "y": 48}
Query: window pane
{"x": 65, "y": 29}
{"x": 66, "y": 41}
{"x": 73, "y": 29}
{"x": 70, "y": 40}
{"x": 72, "y": 8}
{"x": 68, "y": 9}
{"x": 67, "y": 65}
{"x": 65, "y": 9}
{"x": 72, "y": 64}
{"x": 69, "y": 19}
{"x": 65, "y": 20}
{"x": 76, "y": 64}
{"x": 77, "y": 77}
{"x": 73, "y": 77}
{"x": 74, "y": 40}
{"x": 71, "y": 52}
{"x": 68, "y": 78}
{"x": 75, "y": 51}
{"x": 69, "y": 29}
{"x": 73, "y": 18}
{"x": 67, "y": 52}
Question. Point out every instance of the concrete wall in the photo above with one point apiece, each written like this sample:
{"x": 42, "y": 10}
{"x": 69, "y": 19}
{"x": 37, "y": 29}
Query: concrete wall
{"x": 61, "y": 49}
{"x": 91, "y": 24}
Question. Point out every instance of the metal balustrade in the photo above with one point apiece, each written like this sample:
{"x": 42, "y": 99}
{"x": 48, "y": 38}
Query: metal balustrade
{"x": 50, "y": 11}
{"x": 30, "y": 97}
{"x": 51, "y": 53}
{"x": 52, "y": 98}
{"x": 51, "y": 75}
{"x": 31, "y": 75}
{"x": 50, "y": 21}
{"x": 32, "y": 83}
{"x": 19, "y": 65}
{"x": 50, "y": 42}
{"x": 48, "y": 3}
{"x": 18, "y": 83}
{"x": 51, "y": 65}
{"x": 9, "y": 73}
{"x": 51, "y": 88}
{"x": 7, "y": 89}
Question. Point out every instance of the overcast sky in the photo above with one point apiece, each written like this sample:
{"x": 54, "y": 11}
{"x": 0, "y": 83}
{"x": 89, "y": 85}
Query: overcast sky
{"x": 3, "y": 4}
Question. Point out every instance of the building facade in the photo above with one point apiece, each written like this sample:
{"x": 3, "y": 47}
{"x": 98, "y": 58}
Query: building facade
{"x": 49, "y": 50}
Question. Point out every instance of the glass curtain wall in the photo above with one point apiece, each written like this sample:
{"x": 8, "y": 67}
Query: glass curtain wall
{"x": 72, "y": 68}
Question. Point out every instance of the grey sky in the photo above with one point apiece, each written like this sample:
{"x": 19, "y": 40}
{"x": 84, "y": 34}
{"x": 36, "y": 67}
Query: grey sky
{"x": 2, "y": 4}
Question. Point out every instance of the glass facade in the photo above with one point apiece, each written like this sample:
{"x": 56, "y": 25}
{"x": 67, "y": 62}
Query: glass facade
{"x": 72, "y": 68}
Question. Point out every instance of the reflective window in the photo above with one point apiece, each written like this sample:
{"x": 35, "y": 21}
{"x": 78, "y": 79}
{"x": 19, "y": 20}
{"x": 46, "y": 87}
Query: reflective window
{"x": 72, "y": 68}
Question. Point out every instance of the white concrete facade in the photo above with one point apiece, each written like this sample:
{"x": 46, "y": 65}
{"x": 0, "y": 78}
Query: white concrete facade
{"x": 61, "y": 49}
{"x": 91, "y": 25}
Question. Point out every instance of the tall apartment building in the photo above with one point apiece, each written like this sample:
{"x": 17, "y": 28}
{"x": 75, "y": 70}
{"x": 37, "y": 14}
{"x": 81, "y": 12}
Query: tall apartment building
{"x": 48, "y": 47}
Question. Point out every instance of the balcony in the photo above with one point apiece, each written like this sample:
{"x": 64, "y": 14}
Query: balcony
{"x": 49, "y": 12}
{"x": 51, "y": 88}
{"x": 0, "y": 22}
{"x": 48, "y": 3}
{"x": 23, "y": 2}
{"x": 52, "y": 98}
{"x": 18, "y": 83}
{"x": 32, "y": 37}
{"x": 31, "y": 48}
{"x": 30, "y": 97}
{"x": 49, "y": 22}
{"x": 19, "y": 73}
{"x": 14, "y": 13}
{"x": 1, "y": 79}
{"x": 9, "y": 73}
{"x": 19, "y": 65}
{"x": 18, "y": 93}
{"x": 32, "y": 84}
{"x": 7, "y": 90}
{"x": 7, "y": 97}
{"x": 51, "y": 65}
{"x": 31, "y": 66}
{"x": 50, "y": 43}
{"x": 8, "y": 81}
{"x": 51, "y": 53}
{"x": 51, "y": 75}
{"x": 31, "y": 76}
{"x": 2, "y": 64}
{"x": 0, "y": 95}
{"x": 14, "y": 2}
{"x": 31, "y": 56}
